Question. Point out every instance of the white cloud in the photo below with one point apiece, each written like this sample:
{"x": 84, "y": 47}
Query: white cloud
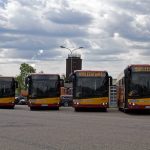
{"x": 113, "y": 32}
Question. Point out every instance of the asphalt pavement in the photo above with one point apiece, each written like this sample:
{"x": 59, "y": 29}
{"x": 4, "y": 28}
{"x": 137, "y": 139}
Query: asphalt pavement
{"x": 22, "y": 129}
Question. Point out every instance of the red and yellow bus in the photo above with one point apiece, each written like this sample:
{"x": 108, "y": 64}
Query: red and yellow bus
{"x": 8, "y": 86}
{"x": 43, "y": 91}
{"x": 90, "y": 89}
{"x": 133, "y": 88}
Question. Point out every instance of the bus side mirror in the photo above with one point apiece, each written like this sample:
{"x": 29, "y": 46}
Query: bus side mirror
{"x": 16, "y": 84}
{"x": 61, "y": 83}
{"x": 110, "y": 80}
{"x": 26, "y": 81}
{"x": 127, "y": 72}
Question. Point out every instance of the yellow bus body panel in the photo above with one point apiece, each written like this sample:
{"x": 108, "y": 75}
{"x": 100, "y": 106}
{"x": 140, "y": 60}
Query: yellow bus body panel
{"x": 7, "y": 100}
{"x": 45, "y": 100}
{"x": 141, "y": 101}
{"x": 94, "y": 101}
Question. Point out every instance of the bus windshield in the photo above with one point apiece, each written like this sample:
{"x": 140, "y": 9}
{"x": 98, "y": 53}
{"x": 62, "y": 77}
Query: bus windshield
{"x": 42, "y": 88}
{"x": 89, "y": 87}
{"x": 140, "y": 85}
{"x": 6, "y": 89}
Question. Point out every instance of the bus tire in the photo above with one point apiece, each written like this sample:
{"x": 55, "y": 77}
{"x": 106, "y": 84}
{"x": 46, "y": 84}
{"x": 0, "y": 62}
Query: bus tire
{"x": 56, "y": 108}
{"x": 32, "y": 109}
{"x": 76, "y": 109}
{"x": 126, "y": 110}
{"x": 12, "y": 107}
{"x": 104, "y": 109}
{"x": 120, "y": 109}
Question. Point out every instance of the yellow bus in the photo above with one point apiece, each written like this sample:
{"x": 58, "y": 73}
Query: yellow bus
{"x": 133, "y": 88}
{"x": 43, "y": 91}
{"x": 7, "y": 91}
{"x": 90, "y": 89}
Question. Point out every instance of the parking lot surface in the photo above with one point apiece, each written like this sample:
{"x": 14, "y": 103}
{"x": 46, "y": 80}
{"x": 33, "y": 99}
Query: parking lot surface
{"x": 22, "y": 129}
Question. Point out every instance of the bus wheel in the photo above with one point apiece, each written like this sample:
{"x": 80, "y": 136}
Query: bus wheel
{"x": 104, "y": 109}
{"x": 56, "y": 108}
{"x": 126, "y": 110}
{"x": 12, "y": 107}
{"x": 31, "y": 108}
{"x": 76, "y": 109}
{"x": 120, "y": 109}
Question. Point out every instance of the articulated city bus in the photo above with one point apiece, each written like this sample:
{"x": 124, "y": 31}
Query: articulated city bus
{"x": 90, "y": 89}
{"x": 133, "y": 88}
{"x": 8, "y": 86}
{"x": 43, "y": 91}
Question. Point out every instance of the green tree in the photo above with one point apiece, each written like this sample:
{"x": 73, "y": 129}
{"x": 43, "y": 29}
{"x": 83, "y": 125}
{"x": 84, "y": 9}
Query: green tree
{"x": 25, "y": 70}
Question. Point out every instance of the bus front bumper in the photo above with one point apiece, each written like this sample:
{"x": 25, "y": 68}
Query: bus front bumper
{"x": 43, "y": 105}
{"x": 7, "y": 104}
{"x": 142, "y": 107}
{"x": 90, "y": 105}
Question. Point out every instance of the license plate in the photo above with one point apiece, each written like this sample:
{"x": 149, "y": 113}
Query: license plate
{"x": 147, "y": 106}
{"x": 87, "y": 100}
{"x": 44, "y": 105}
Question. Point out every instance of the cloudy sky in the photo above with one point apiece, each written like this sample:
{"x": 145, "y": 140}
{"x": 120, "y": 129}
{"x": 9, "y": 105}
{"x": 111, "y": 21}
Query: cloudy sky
{"x": 114, "y": 34}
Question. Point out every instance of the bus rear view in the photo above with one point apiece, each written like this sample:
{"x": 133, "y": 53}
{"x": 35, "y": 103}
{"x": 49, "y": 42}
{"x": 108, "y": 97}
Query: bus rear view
{"x": 7, "y": 92}
{"x": 44, "y": 91}
{"x": 90, "y": 89}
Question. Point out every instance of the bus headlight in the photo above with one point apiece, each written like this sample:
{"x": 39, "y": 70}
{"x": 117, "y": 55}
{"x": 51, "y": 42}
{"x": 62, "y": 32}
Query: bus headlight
{"x": 104, "y": 103}
{"x": 133, "y": 104}
{"x": 76, "y": 102}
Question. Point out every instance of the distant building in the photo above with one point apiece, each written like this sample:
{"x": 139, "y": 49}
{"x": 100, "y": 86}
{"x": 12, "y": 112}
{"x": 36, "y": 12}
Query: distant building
{"x": 113, "y": 94}
{"x": 114, "y": 81}
{"x": 73, "y": 62}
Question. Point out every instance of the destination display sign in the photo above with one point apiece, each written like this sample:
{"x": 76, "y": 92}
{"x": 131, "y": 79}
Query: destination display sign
{"x": 91, "y": 74}
{"x": 141, "y": 68}
{"x": 45, "y": 77}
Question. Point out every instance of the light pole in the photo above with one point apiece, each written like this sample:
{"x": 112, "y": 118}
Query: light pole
{"x": 71, "y": 52}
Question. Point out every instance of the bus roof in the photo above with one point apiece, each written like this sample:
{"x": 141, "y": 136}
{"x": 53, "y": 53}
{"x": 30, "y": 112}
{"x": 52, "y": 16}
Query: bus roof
{"x": 43, "y": 74}
{"x": 139, "y": 65}
{"x": 6, "y": 77}
{"x": 89, "y": 71}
